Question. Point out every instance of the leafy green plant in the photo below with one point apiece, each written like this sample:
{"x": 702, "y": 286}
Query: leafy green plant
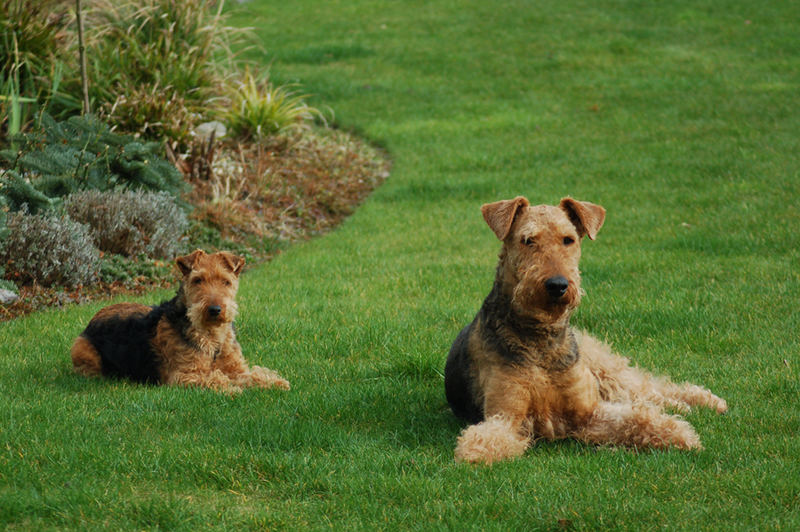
{"x": 49, "y": 250}
{"x": 13, "y": 106}
{"x": 132, "y": 222}
{"x": 129, "y": 269}
{"x": 16, "y": 110}
{"x": 30, "y": 34}
{"x": 32, "y": 39}
{"x": 259, "y": 109}
{"x": 77, "y": 154}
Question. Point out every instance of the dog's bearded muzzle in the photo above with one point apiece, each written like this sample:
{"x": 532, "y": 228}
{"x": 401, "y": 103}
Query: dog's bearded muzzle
{"x": 546, "y": 298}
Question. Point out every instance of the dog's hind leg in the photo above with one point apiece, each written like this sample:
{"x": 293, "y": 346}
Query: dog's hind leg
{"x": 621, "y": 382}
{"x": 85, "y": 358}
{"x": 638, "y": 425}
{"x": 686, "y": 394}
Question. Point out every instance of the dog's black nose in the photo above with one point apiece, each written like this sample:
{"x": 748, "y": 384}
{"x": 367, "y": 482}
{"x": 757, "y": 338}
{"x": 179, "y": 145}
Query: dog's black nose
{"x": 214, "y": 310}
{"x": 556, "y": 286}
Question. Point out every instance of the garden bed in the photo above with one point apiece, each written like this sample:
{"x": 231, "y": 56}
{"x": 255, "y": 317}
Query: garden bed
{"x": 254, "y": 199}
{"x": 205, "y": 154}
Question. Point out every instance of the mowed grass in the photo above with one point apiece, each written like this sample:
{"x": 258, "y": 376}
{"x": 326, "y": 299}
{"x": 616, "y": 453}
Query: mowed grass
{"x": 679, "y": 117}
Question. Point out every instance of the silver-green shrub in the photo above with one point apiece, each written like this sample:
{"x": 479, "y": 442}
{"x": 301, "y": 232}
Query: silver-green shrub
{"x": 132, "y": 222}
{"x": 49, "y": 250}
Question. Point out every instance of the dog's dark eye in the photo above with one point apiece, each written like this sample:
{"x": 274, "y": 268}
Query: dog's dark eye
{"x": 528, "y": 241}
{"x": 197, "y": 280}
{"x": 226, "y": 282}
{"x": 568, "y": 240}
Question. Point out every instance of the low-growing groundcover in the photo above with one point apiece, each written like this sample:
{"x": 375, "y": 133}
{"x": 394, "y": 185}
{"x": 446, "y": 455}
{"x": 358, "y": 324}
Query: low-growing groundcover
{"x": 679, "y": 117}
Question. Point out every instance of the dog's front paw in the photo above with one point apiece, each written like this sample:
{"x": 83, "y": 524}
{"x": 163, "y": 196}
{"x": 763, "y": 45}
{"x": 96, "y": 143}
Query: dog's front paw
{"x": 490, "y": 441}
{"x": 279, "y": 383}
{"x": 218, "y": 381}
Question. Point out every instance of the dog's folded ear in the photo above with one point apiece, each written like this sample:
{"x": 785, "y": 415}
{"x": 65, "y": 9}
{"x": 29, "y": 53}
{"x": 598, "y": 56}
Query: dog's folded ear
{"x": 500, "y": 214}
{"x": 187, "y": 262}
{"x": 233, "y": 262}
{"x": 587, "y": 217}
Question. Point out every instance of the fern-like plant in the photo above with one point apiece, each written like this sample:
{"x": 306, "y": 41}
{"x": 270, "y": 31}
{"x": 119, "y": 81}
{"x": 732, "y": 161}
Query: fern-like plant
{"x": 78, "y": 154}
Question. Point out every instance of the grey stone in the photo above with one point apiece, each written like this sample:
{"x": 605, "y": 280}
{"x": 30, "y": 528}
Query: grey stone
{"x": 205, "y": 129}
{"x": 7, "y": 297}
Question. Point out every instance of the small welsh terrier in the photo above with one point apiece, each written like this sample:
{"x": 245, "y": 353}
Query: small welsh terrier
{"x": 188, "y": 340}
{"x": 520, "y": 372}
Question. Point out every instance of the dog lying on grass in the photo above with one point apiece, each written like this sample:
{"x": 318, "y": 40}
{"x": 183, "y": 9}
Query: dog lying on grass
{"x": 188, "y": 340}
{"x": 520, "y": 372}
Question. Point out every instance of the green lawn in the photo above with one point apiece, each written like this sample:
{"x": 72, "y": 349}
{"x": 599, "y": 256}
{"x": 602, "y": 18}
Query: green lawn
{"x": 680, "y": 117}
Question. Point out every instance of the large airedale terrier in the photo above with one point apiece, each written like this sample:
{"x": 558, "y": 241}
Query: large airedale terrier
{"x": 520, "y": 372}
{"x": 188, "y": 340}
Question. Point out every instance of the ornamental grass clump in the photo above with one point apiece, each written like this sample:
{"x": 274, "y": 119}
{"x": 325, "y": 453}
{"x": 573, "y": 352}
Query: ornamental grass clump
{"x": 30, "y": 34}
{"x": 260, "y": 109}
{"x": 155, "y": 64}
{"x": 32, "y": 38}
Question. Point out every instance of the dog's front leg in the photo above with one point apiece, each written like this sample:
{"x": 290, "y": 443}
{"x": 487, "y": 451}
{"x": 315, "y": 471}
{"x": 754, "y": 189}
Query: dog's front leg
{"x": 501, "y": 435}
{"x": 232, "y": 363}
{"x": 214, "y": 379}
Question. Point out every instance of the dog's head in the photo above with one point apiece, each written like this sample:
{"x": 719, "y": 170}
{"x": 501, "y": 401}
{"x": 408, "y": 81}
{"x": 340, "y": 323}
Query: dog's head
{"x": 541, "y": 248}
{"x": 209, "y": 286}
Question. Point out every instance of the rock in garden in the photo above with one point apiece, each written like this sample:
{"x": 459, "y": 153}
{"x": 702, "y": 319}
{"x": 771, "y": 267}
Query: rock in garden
{"x": 7, "y": 297}
{"x": 205, "y": 130}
